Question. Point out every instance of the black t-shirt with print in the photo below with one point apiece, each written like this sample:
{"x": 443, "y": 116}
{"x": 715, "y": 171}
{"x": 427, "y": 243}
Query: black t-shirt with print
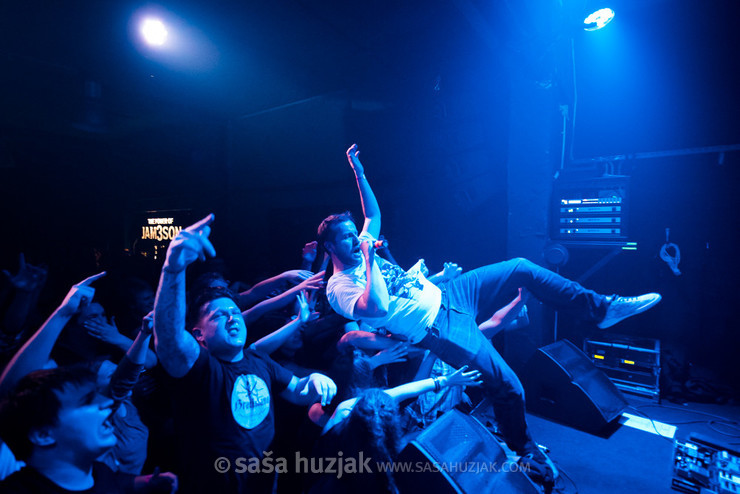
{"x": 28, "y": 480}
{"x": 226, "y": 410}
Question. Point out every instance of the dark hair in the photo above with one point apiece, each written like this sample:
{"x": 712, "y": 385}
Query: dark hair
{"x": 35, "y": 403}
{"x": 326, "y": 232}
{"x": 326, "y": 229}
{"x": 352, "y": 372}
{"x": 373, "y": 426}
{"x": 206, "y": 280}
{"x": 203, "y": 297}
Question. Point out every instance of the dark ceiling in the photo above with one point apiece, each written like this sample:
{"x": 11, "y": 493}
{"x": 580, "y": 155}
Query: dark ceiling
{"x": 240, "y": 57}
{"x": 76, "y": 65}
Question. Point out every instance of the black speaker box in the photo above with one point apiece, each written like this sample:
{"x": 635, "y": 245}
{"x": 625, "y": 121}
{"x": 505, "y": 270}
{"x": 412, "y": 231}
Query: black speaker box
{"x": 457, "y": 454}
{"x": 562, "y": 384}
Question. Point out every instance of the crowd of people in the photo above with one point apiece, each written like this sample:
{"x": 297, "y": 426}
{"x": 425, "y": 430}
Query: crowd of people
{"x": 352, "y": 357}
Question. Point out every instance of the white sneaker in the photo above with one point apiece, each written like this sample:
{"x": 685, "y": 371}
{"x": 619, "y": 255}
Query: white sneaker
{"x": 624, "y": 307}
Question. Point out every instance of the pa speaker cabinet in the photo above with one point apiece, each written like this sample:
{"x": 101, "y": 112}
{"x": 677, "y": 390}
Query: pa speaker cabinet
{"x": 457, "y": 454}
{"x": 562, "y": 384}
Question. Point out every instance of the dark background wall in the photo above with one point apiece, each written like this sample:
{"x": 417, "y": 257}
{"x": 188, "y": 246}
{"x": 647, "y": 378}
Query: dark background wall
{"x": 457, "y": 108}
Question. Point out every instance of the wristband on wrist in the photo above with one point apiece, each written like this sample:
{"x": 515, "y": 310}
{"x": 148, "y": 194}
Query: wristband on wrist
{"x": 437, "y": 385}
{"x": 361, "y": 176}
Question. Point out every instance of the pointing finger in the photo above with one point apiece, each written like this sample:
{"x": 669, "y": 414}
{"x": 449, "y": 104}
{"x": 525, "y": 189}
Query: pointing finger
{"x": 198, "y": 227}
{"x": 91, "y": 279}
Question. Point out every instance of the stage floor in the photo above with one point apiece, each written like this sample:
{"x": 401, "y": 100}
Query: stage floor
{"x": 632, "y": 459}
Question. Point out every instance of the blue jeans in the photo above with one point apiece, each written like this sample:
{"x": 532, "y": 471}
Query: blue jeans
{"x": 455, "y": 338}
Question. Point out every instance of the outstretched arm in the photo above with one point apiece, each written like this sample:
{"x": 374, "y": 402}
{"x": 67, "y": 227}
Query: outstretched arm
{"x": 176, "y": 348}
{"x": 400, "y": 393}
{"x": 262, "y": 289}
{"x": 503, "y": 316}
{"x": 370, "y": 208}
{"x": 310, "y": 389}
{"x": 127, "y": 372}
{"x": 271, "y": 342}
{"x": 313, "y": 283}
{"x": 413, "y": 389}
{"x": 366, "y": 340}
{"x": 35, "y": 353}
{"x": 108, "y": 332}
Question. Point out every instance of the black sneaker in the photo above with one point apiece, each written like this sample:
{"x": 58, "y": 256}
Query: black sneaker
{"x": 539, "y": 467}
{"x": 624, "y": 307}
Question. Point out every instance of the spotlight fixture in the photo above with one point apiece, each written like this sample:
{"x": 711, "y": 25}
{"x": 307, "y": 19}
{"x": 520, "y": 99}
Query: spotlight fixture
{"x": 154, "y": 32}
{"x": 598, "y": 19}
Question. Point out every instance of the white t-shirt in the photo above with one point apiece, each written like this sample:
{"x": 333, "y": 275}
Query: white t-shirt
{"x": 414, "y": 300}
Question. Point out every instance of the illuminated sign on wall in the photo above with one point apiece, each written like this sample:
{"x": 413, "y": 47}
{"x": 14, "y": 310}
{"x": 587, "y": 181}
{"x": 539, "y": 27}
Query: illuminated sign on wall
{"x": 148, "y": 233}
{"x": 159, "y": 229}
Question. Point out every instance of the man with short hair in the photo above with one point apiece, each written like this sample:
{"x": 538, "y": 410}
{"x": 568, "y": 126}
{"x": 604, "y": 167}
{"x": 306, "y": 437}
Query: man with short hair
{"x": 59, "y": 424}
{"x": 223, "y": 393}
{"x": 57, "y": 420}
{"x": 443, "y": 319}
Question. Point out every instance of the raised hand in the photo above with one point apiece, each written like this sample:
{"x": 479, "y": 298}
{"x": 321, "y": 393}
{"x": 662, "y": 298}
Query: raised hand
{"x": 295, "y": 276}
{"x": 312, "y": 283}
{"x": 189, "y": 245}
{"x": 304, "y": 310}
{"x": 80, "y": 294}
{"x": 104, "y": 331}
{"x": 309, "y": 251}
{"x": 353, "y": 156}
{"x": 423, "y": 268}
{"x": 462, "y": 378}
{"x": 28, "y": 278}
{"x": 147, "y": 323}
{"x": 391, "y": 355}
{"x": 451, "y": 271}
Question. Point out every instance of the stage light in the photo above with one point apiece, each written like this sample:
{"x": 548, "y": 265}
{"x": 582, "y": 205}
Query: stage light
{"x": 598, "y": 19}
{"x": 154, "y": 32}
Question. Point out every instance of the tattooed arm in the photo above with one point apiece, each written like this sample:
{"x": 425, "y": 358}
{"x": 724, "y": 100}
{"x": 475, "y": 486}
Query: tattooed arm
{"x": 176, "y": 348}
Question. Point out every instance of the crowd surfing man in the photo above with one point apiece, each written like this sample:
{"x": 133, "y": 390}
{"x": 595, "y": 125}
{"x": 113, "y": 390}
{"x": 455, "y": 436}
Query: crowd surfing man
{"x": 443, "y": 319}
{"x": 223, "y": 393}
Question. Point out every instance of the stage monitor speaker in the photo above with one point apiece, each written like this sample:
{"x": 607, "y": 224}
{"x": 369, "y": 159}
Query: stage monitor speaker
{"x": 561, "y": 383}
{"x": 457, "y": 454}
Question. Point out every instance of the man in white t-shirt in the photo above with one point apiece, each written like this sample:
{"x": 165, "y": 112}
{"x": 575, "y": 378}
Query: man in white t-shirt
{"x": 443, "y": 319}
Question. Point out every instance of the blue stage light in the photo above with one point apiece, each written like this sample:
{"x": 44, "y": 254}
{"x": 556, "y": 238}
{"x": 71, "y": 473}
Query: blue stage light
{"x": 154, "y": 32}
{"x": 598, "y": 19}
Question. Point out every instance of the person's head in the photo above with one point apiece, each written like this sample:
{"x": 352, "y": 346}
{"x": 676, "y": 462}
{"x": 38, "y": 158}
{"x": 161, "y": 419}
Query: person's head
{"x": 92, "y": 312}
{"x": 57, "y": 413}
{"x": 210, "y": 279}
{"x": 215, "y": 320}
{"x": 131, "y": 300}
{"x": 137, "y": 296}
{"x": 373, "y": 426}
{"x": 378, "y": 411}
{"x": 337, "y": 235}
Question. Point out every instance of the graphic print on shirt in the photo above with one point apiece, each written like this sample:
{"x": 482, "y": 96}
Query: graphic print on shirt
{"x": 250, "y": 401}
{"x": 398, "y": 281}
